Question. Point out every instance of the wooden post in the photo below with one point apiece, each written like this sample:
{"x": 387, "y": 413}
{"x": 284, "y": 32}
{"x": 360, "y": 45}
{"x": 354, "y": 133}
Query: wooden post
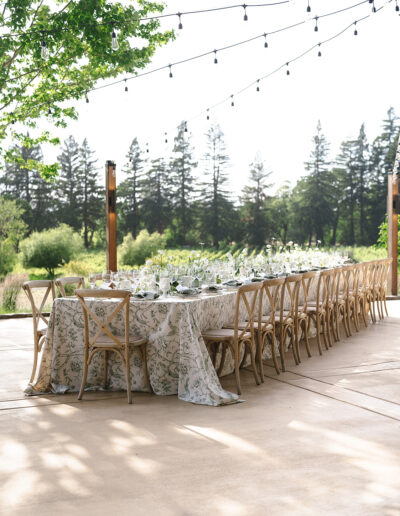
{"x": 111, "y": 214}
{"x": 393, "y": 233}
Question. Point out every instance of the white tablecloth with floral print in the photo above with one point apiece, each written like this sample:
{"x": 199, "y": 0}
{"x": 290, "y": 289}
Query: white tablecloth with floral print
{"x": 178, "y": 361}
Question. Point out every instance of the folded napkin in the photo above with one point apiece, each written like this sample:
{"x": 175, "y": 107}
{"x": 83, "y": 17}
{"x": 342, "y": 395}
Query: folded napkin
{"x": 213, "y": 288}
{"x": 256, "y": 279}
{"x": 233, "y": 283}
{"x": 146, "y": 295}
{"x": 187, "y": 291}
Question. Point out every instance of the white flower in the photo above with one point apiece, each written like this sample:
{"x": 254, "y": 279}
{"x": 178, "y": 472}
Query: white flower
{"x": 149, "y": 263}
{"x": 161, "y": 251}
{"x": 290, "y": 243}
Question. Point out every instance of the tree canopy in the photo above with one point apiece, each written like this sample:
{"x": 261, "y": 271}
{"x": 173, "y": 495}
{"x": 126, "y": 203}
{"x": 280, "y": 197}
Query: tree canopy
{"x": 53, "y": 52}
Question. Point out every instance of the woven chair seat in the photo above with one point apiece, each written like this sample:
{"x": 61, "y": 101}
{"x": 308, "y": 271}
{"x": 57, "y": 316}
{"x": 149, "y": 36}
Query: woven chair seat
{"x": 221, "y": 334}
{"x": 104, "y": 341}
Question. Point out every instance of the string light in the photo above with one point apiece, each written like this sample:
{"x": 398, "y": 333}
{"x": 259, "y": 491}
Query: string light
{"x": 114, "y": 39}
{"x": 44, "y": 51}
{"x": 147, "y": 147}
{"x": 355, "y": 29}
{"x": 319, "y": 51}
{"x": 186, "y": 129}
{"x": 166, "y": 139}
{"x": 170, "y": 71}
{"x": 215, "y": 57}
{"x": 397, "y": 8}
{"x": 49, "y": 112}
{"x": 308, "y": 6}
{"x": 287, "y": 70}
{"x": 373, "y": 7}
{"x": 87, "y": 98}
{"x": 265, "y": 42}
{"x": 232, "y": 101}
{"x": 208, "y": 111}
{"x": 316, "y": 24}
{"x": 245, "y": 17}
{"x": 180, "y": 26}
{"x": 126, "y": 86}
{"x": 258, "y": 87}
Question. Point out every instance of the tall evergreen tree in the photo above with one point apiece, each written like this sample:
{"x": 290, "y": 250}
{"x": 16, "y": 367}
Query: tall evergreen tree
{"x": 215, "y": 197}
{"x": 92, "y": 205}
{"x": 362, "y": 169}
{"x": 156, "y": 197}
{"x": 182, "y": 166}
{"x": 69, "y": 186}
{"x": 316, "y": 188}
{"x": 254, "y": 203}
{"x": 130, "y": 190}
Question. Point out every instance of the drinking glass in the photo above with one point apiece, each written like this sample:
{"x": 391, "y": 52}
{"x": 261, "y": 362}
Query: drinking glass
{"x": 92, "y": 280}
{"x": 164, "y": 286}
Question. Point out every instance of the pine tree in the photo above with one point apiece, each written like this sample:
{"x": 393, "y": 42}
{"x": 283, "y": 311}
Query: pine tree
{"x": 130, "y": 189}
{"x": 156, "y": 197}
{"x": 183, "y": 180}
{"x": 254, "y": 206}
{"x": 315, "y": 198}
{"x": 92, "y": 195}
{"x": 362, "y": 169}
{"x": 215, "y": 197}
{"x": 69, "y": 186}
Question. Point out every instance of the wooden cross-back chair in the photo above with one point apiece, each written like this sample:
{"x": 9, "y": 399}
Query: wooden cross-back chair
{"x": 104, "y": 340}
{"x": 60, "y": 283}
{"x": 301, "y": 312}
{"x": 265, "y": 327}
{"x": 386, "y": 263}
{"x": 352, "y": 296}
{"x": 285, "y": 318}
{"x": 319, "y": 311}
{"x": 240, "y": 333}
{"x": 40, "y": 322}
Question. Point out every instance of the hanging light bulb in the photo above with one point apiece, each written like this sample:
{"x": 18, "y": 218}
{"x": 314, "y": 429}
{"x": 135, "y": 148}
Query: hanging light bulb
{"x": 208, "y": 116}
{"x": 258, "y": 87}
{"x": 44, "y": 51}
{"x": 287, "y": 70}
{"x": 180, "y": 26}
{"x": 114, "y": 39}
{"x": 166, "y": 139}
{"x": 355, "y": 29}
{"x": 373, "y": 7}
{"x": 245, "y": 17}
{"x": 265, "y": 42}
{"x": 319, "y": 51}
{"x": 397, "y": 8}
{"x": 49, "y": 112}
{"x": 215, "y": 57}
{"x": 316, "y": 24}
{"x": 170, "y": 71}
{"x": 308, "y": 6}
{"x": 126, "y": 87}
{"x": 232, "y": 102}
{"x": 87, "y": 99}
{"x": 147, "y": 147}
{"x": 186, "y": 129}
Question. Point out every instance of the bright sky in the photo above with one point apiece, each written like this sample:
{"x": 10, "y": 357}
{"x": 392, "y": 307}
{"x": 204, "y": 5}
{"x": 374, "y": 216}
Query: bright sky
{"x": 356, "y": 80}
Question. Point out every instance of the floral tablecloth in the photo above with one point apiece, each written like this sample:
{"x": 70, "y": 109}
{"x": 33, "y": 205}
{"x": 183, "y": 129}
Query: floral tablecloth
{"x": 178, "y": 361}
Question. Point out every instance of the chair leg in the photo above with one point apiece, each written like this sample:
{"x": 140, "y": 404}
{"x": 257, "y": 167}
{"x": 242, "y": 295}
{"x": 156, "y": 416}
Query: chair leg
{"x": 236, "y": 355}
{"x": 105, "y": 368}
{"x": 128, "y": 375}
{"x": 385, "y": 305}
{"x": 324, "y": 331}
{"x": 306, "y": 341}
{"x": 259, "y": 359}
{"x": 364, "y": 312}
{"x": 84, "y": 376}
{"x": 297, "y": 340}
{"x": 253, "y": 364}
{"x": 35, "y": 358}
{"x": 329, "y": 326}
{"x": 222, "y": 361}
{"x": 272, "y": 339}
{"x": 282, "y": 338}
{"x": 293, "y": 344}
{"x": 318, "y": 327}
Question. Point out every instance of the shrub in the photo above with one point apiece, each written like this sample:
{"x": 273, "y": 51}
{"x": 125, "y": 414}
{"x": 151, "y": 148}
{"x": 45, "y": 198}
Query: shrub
{"x": 135, "y": 252}
{"x": 50, "y": 248}
{"x": 7, "y": 257}
{"x": 11, "y": 288}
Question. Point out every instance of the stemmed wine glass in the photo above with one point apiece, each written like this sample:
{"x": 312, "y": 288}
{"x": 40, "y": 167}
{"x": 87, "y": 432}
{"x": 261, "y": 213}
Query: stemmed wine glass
{"x": 92, "y": 280}
{"x": 164, "y": 286}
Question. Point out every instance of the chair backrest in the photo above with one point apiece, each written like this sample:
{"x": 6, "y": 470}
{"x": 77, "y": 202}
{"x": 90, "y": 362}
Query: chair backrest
{"x": 324, "y": 288}
{"x": 386, "y": 263}
{"x": 271, "y": 293}
{"x": 71, "y": 280}
{"x": 290, "y": 291}
{"x": 307, "y": 279}
{"x": 37, "y": 310}
{"x": 247, "y": 296}
{"x": 104, "y": 327}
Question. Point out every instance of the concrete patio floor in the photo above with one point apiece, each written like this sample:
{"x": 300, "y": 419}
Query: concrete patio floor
{"x": 321, "y": 439}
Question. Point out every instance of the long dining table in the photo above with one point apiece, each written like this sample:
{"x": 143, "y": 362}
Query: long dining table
{"x": 178, "y": 360}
